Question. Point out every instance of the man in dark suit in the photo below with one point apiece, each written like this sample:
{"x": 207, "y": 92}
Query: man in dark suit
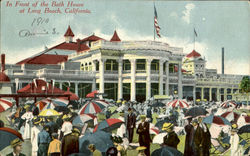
{"x": 131, "y": 120}
{"x": 144, "y": 136}
{"x": 171, "y": 139}
{"x": 17, "y": 148}
{"x": 70, "y": 143}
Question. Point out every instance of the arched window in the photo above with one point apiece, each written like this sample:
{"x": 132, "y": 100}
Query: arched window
{"x": 90, "y": 66}
{"x": 86, "y": 66}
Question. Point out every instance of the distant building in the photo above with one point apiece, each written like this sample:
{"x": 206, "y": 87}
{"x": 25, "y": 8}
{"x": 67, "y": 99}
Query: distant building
{"x": 133, "y": 70}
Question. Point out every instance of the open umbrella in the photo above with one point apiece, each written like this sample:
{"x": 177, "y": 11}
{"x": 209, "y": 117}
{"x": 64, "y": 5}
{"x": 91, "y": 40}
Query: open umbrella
{"x": 216, "y": 120}
{"x": 40, "y": 105}
{"x": 166, "y": 151}
{"x": 62, "y": 109}
{"x": 81, "y": 119}
{"x": 92, "y": 94}
{"x": 49, "y": 112}
{"x": 60, "y": 102}
{"x": 90, "y": 108}
{"x": 101, "y": 102}
{"x": 73, "y": 96}
{"x": 5, "y": 104}
{"x": 158, "y": 104}
{"x": 176, "y": 102}
{"x": 230, "y": 116}
{"x": 108, "y": 125}
{"x": 244, "y": 129}
{"x": 196, "y": 111}
{"x": 154, "y": 130}
{"x": 101, "y": 140}
{"x": 158, "y": 139}
{"x": 228, "y": 104}
{"x": 7, "y": 135}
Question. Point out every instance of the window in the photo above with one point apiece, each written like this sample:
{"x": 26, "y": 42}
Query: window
{"x": 86, "y": 66}
{"x": 141, "y": 64}
{"x": 126, "y": 65}
{"x": 111, "y": 65}
{"x": 82, "y": 66}
{"x": 97, "y": 66}
{"x": 155, "y": 65}
{"x": 90, "y": 66}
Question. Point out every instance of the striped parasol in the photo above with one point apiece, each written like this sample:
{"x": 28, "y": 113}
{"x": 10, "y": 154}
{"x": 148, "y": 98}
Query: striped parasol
{"x": 181, "y": 103}
{"x": 5, "y": 104}
{"x": 216, "y": 120}
{"x": 60, "y": 102}
{"x": 49, "y": 112}
{"x": 108, "y": 125}
{"x": 83, "y": 118}
{"x": 231, "y": 116}
{"x": 228, "y": 104}
{"x": 90, "y": 108}
{"x": 40, "y": 105}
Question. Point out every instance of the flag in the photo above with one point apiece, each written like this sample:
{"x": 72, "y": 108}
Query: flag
{"x": 157, "y": 27}
{"x": 195, "y": 33}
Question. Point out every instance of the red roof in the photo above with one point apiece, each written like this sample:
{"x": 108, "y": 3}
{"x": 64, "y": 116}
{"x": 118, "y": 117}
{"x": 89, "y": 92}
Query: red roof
{"x": 92, "y": 38}
{"x": 45, "y": 59}
{"x": 193, "y": 54}
{"x": 176, "y": 69}
{"x": 4, "y": 77}
{"x": 40, "y": 87}
{"x": 92, "y": 94}
{"x": 70, "y": 46}
{"x": 69, "y": 32}
{"x": 115, "y": 38}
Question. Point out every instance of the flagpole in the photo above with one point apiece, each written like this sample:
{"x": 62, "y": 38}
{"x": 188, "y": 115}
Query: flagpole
{"x": 154, "y": 20}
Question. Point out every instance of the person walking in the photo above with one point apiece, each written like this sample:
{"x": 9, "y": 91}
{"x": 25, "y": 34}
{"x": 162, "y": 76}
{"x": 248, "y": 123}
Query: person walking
{"x": 171, "y": 139}
{"x": 131, "y": 120}
{"x": 206, "y": 137}
{"x": 27, "y": 117}
{"x": 189, "y": 145}
{"x": 54, "y": 146}
{"x": 43, "y": 142}
{"x": 16, "y": 144}
{"x": 35, "y": 130}
{"x": 234, "y": 141}
{"x": 144, "y": 136}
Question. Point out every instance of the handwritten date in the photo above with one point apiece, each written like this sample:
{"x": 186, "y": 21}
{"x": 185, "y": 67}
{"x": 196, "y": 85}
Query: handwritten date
{"x": 29, "y": 33}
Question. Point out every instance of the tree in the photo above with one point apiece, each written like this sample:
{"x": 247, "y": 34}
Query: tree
{"x": 245, "y": 84}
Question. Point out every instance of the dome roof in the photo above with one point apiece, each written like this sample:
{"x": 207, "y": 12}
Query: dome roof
{"x": 4, "y": 77}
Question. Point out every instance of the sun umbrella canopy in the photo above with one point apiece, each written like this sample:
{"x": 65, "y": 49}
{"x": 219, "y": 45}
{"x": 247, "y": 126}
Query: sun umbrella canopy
{"x": 81, "y": 119}
{"x": 216, "y": 120}
{"x": 62, "y": 109}
{"x": 7, "y": 135}
{"x": 92, "y": 94}
{"x": 90, "y": 108}
{"x": 244, "y": 129}
{"x": 5, "y": 104}
{"x": 196, "y": 111}
{"x": 180, "y": 103}
{"x": 108, "y": 125}
{"x": 228, "y": 104}
{"x": 101, "y": 140}
{"x": 166, "y": 151}
{"x": 230, "y": 116}
{"x": 158, "y": 104}
{"x": 154, "y": 130}
{"x": 73, "y": 96}
{"x": 49, "y": 112}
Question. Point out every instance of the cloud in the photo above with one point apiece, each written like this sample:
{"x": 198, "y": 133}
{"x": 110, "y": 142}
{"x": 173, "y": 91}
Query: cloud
{"x": 173, "y": 14}
{"x": 188, "y": 8}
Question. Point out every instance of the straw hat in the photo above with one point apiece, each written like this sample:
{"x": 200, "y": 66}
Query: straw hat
{"x": 141, "y": 148}
{"x": 143, "y": 117}
{"x": 37, "y": 120}
{"x": 167, "y": 126}
{"x": 15, "y": 142}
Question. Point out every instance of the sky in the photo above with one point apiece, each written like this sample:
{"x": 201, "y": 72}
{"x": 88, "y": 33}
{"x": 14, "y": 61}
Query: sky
{"x": 218, "y": 24}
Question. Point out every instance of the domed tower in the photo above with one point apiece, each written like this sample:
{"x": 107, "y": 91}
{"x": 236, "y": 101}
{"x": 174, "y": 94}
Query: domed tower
{"x": 194, "y": 64}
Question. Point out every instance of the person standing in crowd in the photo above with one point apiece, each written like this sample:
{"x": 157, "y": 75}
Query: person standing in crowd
{"x": 206, "y": 143}
{"x": 189, "y": 145}
{"x": 66, "y": 126}
{"x": 16, "y": 144}
{"x": 1, "y": 123}
{"x": 27, "y": 117}
{"x": 108, "y": 113}
{"x": 70, "y": 142}
{"x": 198, "y": 138}
{"x": 95, "y": 152}
{"x": 171, "y": 139}
{"x": 144, "y": 136}
{"x": 234, "y": 141}
{"x": 149, "y": 114}
{"x": 131, "y": 120}
{"x": 35, "y": 130}
{"x": 53, "y": 128}
{"x": 54, "y": 146}
{"x": 43, "y": 142}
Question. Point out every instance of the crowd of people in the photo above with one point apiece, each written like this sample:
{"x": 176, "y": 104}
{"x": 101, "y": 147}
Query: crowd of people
{"x": 57, "y": 136}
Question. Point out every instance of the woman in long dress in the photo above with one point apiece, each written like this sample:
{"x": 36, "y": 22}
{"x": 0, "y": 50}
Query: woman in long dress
{"x": 27, "y": 116}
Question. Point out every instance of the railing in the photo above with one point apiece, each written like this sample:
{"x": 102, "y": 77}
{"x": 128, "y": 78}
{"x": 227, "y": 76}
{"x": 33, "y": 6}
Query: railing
{"x": 63, "y": 72}
{"x": 13, "y": 72}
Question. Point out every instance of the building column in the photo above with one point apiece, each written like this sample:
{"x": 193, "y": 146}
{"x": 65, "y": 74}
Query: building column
{"x": 93, "y": 88}
{"x": 76, "y": 88}
{"x": 120, "y": 86}
{"x": 194, "y": 94}
{"x": 161, "y": 77}
{"x": 218, "y": 94}
{"x": 148, "y": 80}
{"x": 167, "y": 79}
{"x": 180, "y": 95}
{"x": 101, "y": 75}
{"x": 210, "y": 94}
{"x": 60, "y": 85}
{"x": 202, "y": 93}
{"x": 225, "y": 94}
{"x": 133, "y": 87}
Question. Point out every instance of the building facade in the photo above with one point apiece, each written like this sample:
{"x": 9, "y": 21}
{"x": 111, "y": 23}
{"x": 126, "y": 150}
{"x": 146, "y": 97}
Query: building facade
{"x": 132, "y": 70}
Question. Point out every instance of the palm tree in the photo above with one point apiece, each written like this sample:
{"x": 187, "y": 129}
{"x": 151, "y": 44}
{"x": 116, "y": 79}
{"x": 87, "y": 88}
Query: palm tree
{"x": 245, "y": 84}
